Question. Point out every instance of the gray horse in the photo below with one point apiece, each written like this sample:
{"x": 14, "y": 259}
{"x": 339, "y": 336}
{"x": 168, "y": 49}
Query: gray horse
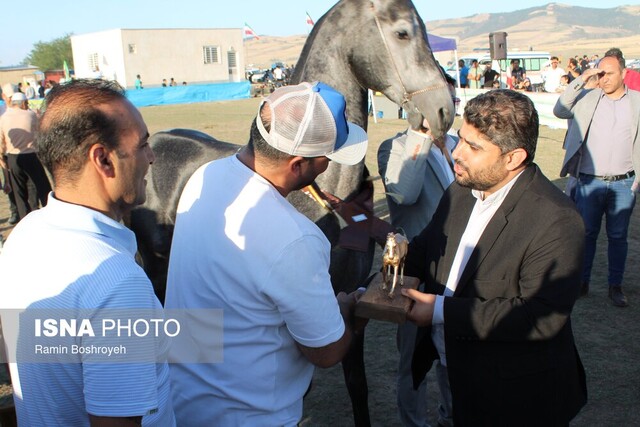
{"x": 356, "y": 45}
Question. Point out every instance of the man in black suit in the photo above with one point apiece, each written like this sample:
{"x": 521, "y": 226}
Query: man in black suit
{"x": 501, "y": 261}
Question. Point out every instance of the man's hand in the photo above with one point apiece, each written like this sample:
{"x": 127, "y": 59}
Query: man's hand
{"x": 421, "y": 312}
{"x": 347, "y": 305}
{"x": 589, "y": 73}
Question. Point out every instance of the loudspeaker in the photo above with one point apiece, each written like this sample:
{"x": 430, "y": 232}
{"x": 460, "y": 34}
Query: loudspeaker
{"x": 498, "y": 45}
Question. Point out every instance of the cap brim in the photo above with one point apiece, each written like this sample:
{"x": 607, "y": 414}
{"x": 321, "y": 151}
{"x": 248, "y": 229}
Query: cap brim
{"x": 354, "y": 148}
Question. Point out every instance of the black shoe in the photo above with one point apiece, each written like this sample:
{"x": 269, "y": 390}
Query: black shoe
{"x": 617, "y": 296}
{"x": 13, "y": 219}
{"x": 584, "y": 289}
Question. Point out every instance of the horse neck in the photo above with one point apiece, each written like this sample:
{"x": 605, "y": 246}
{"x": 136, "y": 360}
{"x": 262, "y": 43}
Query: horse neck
{"x": 324, "y": 59}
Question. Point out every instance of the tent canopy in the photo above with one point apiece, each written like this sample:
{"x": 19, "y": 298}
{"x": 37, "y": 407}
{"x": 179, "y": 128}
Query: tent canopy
{"x": 438, "y": 44}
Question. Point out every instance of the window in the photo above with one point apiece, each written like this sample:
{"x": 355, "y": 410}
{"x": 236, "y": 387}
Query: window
{"x": 93, "y": 61}
{"x": 210, "y": 54}
{"x": 534, "y": 64}
{"x": 232, "y": 58}
{"x": 133, "y": 48}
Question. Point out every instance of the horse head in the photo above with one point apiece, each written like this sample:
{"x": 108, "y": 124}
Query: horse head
{"x": 382, "y": 46}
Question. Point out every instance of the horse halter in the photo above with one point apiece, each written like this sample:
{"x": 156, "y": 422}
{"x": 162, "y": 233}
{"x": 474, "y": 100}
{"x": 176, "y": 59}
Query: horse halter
{"x": 406, "y": 96}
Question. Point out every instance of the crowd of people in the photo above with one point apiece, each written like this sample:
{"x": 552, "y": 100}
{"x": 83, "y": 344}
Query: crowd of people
{"x": 501, "y": 253}
{"x": 555, "y": 78}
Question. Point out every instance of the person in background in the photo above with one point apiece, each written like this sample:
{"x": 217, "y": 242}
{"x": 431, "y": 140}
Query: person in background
{"x": 584, "y": 62}
{"x": 573, "y": 70}
{"x": 30, "y": 92}
{"x": 74, "y": 256}
{"x": 631, "y": 77}
{"x": 603, "y": 152}
{"x": 40, "y": 90}
{"x": 518, "y": 73}
{"x": 475, "y": 75}
{"x": 416, "y": 170}
{"x": 7, "y": 91}
{"x": 501, "y": 262}
{"x": 464, "y": 74}
{"x": 240, "y": 246}
{"x": 564, "y": 82}
{"x": 138, "y": 82}
{"x": 490, "y": 76}
{"x": 551, "y": 75}
{"x": 524, "y": 85}
{"x": 18, "y": 129}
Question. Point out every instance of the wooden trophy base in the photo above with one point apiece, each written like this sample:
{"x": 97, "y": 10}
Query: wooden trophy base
{"x": 375, "y": 303}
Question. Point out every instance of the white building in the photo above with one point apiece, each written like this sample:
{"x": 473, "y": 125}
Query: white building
{"x": 187, "y": 55}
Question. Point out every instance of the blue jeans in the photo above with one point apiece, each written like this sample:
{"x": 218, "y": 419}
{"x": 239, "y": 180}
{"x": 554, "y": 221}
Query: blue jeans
{"x": 615, "y": 200}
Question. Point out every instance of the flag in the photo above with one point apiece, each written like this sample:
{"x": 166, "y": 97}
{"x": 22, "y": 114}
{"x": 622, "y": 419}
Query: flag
{"x": 248, "y": 33}
{"x": 65, "y": 67}
{"x": 309, "y": 20}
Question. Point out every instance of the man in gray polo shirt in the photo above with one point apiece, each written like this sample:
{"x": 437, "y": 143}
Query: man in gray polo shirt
{"x": 603, "y": 152}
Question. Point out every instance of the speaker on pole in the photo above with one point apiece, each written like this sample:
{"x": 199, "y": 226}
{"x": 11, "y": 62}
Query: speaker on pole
{"x": 498, "y": 45}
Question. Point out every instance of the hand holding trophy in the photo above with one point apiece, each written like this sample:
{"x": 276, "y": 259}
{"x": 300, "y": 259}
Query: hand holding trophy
{"x": 378, "y": 302}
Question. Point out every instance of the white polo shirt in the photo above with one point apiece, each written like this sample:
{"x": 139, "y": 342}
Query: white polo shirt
{"x": 66, "y": 256}
{"x": 239, "y": 246}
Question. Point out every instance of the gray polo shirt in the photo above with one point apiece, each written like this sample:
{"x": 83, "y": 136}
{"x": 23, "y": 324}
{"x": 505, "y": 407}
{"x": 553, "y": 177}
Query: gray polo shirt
{"x": 609, "y": 144}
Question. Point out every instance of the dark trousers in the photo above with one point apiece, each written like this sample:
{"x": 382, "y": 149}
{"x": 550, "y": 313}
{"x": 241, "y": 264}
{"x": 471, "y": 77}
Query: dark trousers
{"x": 22, "y": 168}
{"x": 33, "y": 199}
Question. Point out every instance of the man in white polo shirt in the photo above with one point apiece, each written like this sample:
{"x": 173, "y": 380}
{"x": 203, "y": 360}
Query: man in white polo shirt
{"x": 73, "y": 259}
{"x": 240, "y": 246}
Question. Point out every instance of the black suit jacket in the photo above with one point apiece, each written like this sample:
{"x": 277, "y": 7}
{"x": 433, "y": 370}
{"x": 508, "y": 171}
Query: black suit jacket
{"x": 510, "y": 350}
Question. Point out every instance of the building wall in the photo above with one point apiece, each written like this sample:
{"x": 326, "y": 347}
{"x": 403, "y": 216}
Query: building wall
{"x": 15, "y": 75}
{"x": 158, "y": 54}
{"x": 99, "y": 55}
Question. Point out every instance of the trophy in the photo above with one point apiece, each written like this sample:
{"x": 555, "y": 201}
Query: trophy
{"x": 381, "y": 300}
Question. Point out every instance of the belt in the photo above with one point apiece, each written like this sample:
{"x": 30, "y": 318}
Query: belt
{"x": 611, "y": 178}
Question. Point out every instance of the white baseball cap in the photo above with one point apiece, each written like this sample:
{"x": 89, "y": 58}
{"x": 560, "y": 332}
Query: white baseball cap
{"x": 309, "y": 120}
{"x": 18, "y": 96}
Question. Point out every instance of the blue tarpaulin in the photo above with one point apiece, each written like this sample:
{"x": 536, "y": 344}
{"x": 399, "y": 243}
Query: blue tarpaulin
{"x": 439, "y": 44}
{"x": 189, "y": 94}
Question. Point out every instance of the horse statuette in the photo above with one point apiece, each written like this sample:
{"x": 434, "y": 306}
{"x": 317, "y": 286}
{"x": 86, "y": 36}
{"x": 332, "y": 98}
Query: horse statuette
{"x": 395, "y": 251}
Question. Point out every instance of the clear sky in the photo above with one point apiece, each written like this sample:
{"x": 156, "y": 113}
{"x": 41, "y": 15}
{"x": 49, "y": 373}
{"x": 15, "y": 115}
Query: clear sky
{"x": 28, "y": 24}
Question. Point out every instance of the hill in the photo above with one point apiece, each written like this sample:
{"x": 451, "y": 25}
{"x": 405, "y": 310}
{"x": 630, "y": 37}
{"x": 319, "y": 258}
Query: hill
{"x": 563, "y": 30}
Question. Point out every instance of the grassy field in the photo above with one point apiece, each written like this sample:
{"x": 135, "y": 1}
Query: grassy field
{"x": 606, "y": 336}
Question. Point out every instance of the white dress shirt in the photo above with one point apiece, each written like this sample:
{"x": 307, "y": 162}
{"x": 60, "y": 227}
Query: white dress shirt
{"x": 482, "y": 213}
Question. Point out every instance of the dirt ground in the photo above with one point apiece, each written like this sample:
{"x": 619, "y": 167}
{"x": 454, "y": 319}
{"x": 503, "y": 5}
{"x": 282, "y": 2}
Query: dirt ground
{"x": 607, "y": 337}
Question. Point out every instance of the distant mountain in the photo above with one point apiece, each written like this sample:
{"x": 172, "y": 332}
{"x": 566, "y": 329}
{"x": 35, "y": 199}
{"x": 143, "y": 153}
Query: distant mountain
{"x": 563, "y": 30}
{"x": 558, "y": 28}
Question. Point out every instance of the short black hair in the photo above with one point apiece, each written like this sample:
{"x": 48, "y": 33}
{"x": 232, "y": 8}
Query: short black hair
{"x": 72, "y": 123}
{"x": 508, "y": 118}
{"x": 614, "y": 52}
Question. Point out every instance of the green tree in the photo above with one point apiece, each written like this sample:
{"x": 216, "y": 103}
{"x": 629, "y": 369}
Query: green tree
{"x": 51, "y": 55}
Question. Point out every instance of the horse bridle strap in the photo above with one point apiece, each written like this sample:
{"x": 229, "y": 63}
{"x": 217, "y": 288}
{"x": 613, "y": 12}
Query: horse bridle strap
{"x": 406, "y": 96}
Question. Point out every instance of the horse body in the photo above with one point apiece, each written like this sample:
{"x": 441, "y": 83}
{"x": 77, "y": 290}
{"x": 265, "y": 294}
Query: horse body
{"x": 356, "y": 45}
{"x": 395, "y": 251}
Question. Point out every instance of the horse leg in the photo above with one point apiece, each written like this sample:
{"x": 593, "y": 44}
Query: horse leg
{"x": 402, "y": 273}
{"x": 385, "y": 276}
{"x": 395, "y": 279}
{"x": 356, "y": 380}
